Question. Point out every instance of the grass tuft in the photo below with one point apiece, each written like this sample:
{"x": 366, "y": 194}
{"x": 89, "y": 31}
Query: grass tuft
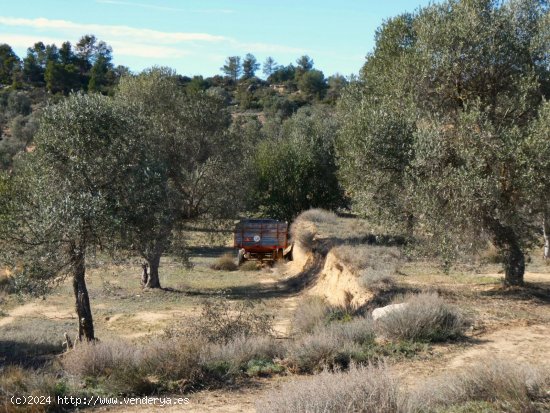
{"x": 370, "y": 389}
{"x": 496, "y": 384}
{"x": 318, "y": 216}
{"x": 225, "y": 263}
{"x": 426, "y": 317}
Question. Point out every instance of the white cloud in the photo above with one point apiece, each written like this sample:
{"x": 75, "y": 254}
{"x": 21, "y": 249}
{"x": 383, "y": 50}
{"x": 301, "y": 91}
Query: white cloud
{"x": 133, "y": 41}
{"x": 121, "y": 48}
{"x": 24, "y": 41}
{"x": 107, "y": 31}
{"x": 147, "y": 50}
{"x": 164, "y": 8}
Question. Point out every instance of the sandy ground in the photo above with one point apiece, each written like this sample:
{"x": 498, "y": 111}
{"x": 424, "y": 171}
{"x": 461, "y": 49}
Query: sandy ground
{"x": 523, "y": 340}
{"x": 36, "y": 310}
{"x": 527, "y": 343}
{"x": 520, "y": 341}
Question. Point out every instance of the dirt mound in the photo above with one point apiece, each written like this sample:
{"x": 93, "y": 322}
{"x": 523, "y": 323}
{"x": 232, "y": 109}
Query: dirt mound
{"x": 337, "y": 281}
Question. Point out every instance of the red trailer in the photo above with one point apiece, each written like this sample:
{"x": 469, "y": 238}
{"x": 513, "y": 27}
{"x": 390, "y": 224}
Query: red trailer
{"x": 262, "y": 239}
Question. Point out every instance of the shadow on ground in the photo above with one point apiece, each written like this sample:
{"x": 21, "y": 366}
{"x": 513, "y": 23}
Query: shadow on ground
{"x": 25, "y": 354}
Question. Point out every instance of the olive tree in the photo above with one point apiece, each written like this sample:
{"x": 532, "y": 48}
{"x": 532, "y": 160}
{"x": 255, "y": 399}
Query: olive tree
{"x": 194, "y": 162}
{"x": 439, "y": 125}
{"x": 294, "y": 167}
{"x": 538, "y": 149}
{"x": 63, "y": 197}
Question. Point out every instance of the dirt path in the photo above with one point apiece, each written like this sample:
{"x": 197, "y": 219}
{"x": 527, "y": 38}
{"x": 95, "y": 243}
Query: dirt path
{"x": 239, "y": 400}
{"x": 527, "y": 343}
{"x": 37, "y": 310}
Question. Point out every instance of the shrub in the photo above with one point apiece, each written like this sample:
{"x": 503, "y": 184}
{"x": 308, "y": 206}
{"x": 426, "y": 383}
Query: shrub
{"x": 426, "y": 317}
{"x": 240, "y": 354}
{"x": 303, "y": 234}
{"x": 333, "y": 345}
{"x": 123, "y": 366}
{"x": 318, "y": 216}
{"x": 370, "y": 389}
{"x": 309, "y": 314}
{"x": 225, "y": 263}
{"x": 249, "y": 266}
{"x": 499, "y": 385}
{"x": 15, "y": 380}
{"x": 378, "y": 278}
{"x": 99, "y": 358}
{"x": 222, "y": 321}
{"x": 176, "y": 358}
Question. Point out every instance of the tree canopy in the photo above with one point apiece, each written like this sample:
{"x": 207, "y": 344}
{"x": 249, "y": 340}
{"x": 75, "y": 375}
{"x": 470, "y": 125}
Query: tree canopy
{"x": 435, "y": 132}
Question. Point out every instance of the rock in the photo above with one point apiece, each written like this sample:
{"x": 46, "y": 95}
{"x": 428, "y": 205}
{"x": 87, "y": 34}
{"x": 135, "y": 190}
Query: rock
{"x": 383, "y": 311}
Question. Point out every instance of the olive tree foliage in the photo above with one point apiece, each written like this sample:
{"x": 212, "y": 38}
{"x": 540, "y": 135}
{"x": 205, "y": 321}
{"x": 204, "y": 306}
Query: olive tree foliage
{"x": 194, "y": 161}
{"x": 62, "y": 199}
{"x": 294, "y": 168}
{"x": 539, "y": 150}
{"x": 436, "y": 133}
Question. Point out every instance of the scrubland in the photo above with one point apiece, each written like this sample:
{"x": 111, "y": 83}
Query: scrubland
{"x": 273, "y": 339}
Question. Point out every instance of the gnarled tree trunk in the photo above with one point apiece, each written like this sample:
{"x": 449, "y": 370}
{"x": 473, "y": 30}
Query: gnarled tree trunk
{"x": 506, "y": 240}
{"x": 83, "y": 310}
{"x": 144, "y": 274}
{"x": 154, "y": 262}
{"x": 514, "y": 265}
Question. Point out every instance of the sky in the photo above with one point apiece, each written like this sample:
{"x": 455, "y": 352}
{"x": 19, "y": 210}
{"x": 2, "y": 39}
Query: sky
{"x": 195, "y": 37}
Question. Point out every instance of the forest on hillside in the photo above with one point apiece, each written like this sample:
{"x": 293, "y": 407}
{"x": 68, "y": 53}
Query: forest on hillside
{"x": 442, "y": 138}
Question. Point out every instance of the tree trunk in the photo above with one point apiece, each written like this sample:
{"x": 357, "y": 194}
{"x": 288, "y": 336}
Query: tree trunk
{"x": 514, "y": 265}
{"x": 154, "y": 263}
{"x": 85, "y": 321}
{"x": 546, "y": 233}
{"x": 506, "y": 240}
{"x": 410, "y": 226}
{"x": 144, "y": 274}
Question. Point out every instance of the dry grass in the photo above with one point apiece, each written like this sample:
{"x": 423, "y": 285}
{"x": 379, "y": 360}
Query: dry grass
{"x": 222, "y": 320}
{"x": 15, "y": 380}
{"x": 501, "y": 385}
{"x": 426, "y": 317}
{"x": 174, "y": 363}
{"x": 225, "y": 263}
{"x": 376, "y": 266}
{"x": 177, "y": 358}
{"x": 333, "y": 345}
{"x": 235, "y": 356}
{"x": 303, "y": 234}
{"x": 370, "y": 389}
{"x": 123, "y": 366}
{"x": 309, "y": 314}
{"x": 489, "y": 386}
{"x": 250, "y": 266}
{"x": 318, "y": 216}
{"x": 220, "y": 345}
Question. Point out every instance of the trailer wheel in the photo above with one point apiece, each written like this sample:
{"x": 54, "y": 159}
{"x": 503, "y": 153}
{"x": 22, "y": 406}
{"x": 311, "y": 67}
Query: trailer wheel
{"x": 240, "y": 258}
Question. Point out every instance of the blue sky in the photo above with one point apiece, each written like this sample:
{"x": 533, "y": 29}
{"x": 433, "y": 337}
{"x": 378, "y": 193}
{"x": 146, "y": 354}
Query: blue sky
{"x": 195, "y": 37}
